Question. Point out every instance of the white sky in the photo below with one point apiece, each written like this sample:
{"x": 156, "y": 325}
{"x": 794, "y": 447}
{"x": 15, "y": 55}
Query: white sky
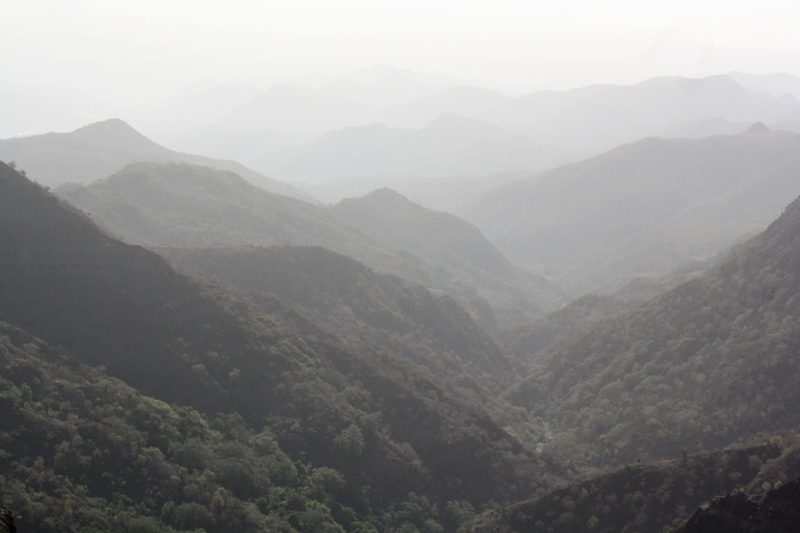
{"x": 150, "y": 43}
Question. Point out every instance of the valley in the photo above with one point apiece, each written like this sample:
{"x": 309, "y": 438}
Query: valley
{"x": 560, "y": 311}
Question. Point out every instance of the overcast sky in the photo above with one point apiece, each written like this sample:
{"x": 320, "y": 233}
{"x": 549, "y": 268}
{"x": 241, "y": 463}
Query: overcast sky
{"x": 151, "y": 44}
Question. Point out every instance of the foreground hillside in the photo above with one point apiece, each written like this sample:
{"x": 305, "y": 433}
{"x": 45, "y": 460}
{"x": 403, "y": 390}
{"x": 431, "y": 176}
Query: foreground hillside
{"x": 635, "y": 498}
{"x": 186, "y": 205}
{"x": 710, "y": 363}
{"x": 641, "y": 209}
{"x": 403, "y": 448}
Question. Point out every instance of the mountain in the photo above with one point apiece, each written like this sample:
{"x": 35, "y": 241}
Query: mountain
{"x": 634, "y": 498}
{"x": 185, "y": 205}
{"x": 381, "y": 426}
{"x": 641, "y": 209}
{"x": 537, "y": 341}
{"x": 466, "y": 101}
{"x": 295, "y": 109}
{"x": 710, "y": 363}
{"x": 599, "y": 117}
{"x": 98, "y": 150}
{"x": 465, "y": 263}
{"x": 247, "y": 147}
{"x": 364, "y": 308}
{"x": 192, "y": 106}
{"x": 449, "y": 145}
{"x": 380, "y": 86}
{"x": 778, "y": 511}
{"x": 775, "y": 84}
{"x": 75, "y": 438}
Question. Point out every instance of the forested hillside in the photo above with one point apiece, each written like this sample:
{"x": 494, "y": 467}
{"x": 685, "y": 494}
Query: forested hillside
{"x": 641, "y": 209}
{"x": 710, "y": 363}
{"x": 462, "y": 256}
{"x": 187, "y": 205}
{"x": 408, "y": 451}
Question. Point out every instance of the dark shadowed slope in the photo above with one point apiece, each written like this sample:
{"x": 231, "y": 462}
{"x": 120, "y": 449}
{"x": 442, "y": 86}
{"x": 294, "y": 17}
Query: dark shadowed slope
{"x": 100, "y": 149}
{"x": 379, "y": 420}
{"x": 632, "y": 499}
{"x": 642, "y": 209}
{"x": 360, "y": 305}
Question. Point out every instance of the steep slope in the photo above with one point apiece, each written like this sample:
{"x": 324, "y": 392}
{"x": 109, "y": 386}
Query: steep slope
{"x": 599, "y": 117}
{"x": 712, "y": 362}
{"x": 185, "y": 205}
{"x": 537, "y": 341}
{"x": 641, "y": 209}
{"x": 98, "y": 150}
{"x": 464, "y": 259}
{"x": 634, "y": 498}
{"x": 74, "y": 438}
{"x": 378, "y": 312}
{"x": 778, "y": 511}
{"x": 380, "y": 421}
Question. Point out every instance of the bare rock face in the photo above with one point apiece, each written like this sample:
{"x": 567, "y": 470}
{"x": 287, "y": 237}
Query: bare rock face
{"x": 7, "y": 521}
{"x": 778, "y": 511}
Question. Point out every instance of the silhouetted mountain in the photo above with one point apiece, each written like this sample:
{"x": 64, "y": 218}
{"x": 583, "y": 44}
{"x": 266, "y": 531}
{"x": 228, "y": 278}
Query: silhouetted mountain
{"x": 599, "y": 117}
{"x": 249, "y": 362}
{"x": 193, "y": 105}
{"x": 774, "y": 84}
{"x": 709, "y": 363}
{"x": 465, "y": 263}
{"x": 100, "y": 149}
{"x": 292, "y": 108}
{"x": 185, "y": 205}
{"x": 244, "y": 146}
{"x": 641, "y": 209}
{"x": 466, "y": 101}
{"x": 449, "y": 145}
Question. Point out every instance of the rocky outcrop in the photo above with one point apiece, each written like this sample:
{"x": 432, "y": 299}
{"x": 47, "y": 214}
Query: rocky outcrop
{"x": 778, "y": 511}
{"x": 7, "y": 521}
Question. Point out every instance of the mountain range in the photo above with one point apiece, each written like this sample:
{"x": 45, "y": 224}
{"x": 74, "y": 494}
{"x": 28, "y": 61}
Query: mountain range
{"x": 710, "y": 363}
{"x": 185, "y": 205}
{"x": 246, "y": 377}
{"x": 100, "y": 149}
{"x": 641, "y": 209}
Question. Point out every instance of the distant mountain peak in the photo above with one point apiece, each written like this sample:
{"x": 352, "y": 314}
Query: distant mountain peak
{"x": 113, "y": 127}
{"x": 386, "y": 194}
{"x": 756, "y": 128}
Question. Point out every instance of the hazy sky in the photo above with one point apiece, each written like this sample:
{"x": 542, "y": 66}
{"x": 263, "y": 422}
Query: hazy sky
{"x": 149, "y": 43}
